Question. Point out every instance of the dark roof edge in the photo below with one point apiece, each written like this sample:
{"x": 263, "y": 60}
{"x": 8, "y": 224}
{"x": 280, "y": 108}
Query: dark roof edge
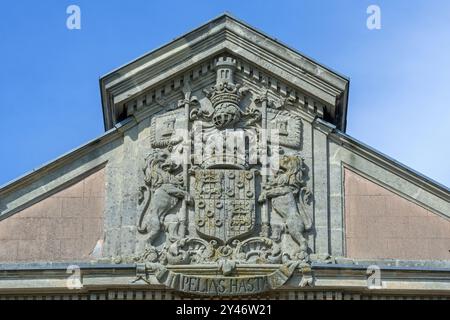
{"x": 36, "y": 266}
{"x": 399, "y": 164}
{"x": 229, "y": 15}
{"x": 381, "y": 266}
{"x": 74, "y": 153}
{"x": 343, "y": 136}
{"x": 221, "y": 16}
{"x": 102, "y": 266}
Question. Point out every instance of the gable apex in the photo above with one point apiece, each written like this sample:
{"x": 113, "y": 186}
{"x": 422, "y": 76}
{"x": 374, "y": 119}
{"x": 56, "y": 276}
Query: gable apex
{"x": 205, "y": 43}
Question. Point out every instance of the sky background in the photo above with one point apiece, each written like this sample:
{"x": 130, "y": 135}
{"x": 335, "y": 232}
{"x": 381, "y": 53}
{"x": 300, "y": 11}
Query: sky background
{"x": 399, "y": 76}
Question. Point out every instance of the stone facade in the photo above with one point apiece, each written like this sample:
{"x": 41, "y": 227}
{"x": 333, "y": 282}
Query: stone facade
{"x": 226, "y": 171}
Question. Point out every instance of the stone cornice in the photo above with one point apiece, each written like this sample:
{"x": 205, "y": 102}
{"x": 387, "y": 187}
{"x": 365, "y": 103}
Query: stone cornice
{"x": 68, "y": 157}
{"x": 391, "y": 164}
{"x": 58, "y": 162}
{"x": 52, "y": 278}
{"x": 61, "y": 172}
{"x": 324, "y": 126}
{"x": 221, "y": 34}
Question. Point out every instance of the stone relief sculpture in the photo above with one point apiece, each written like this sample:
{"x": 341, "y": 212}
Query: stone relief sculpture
{"x": 225, "y": 97}
{"x": 162, "y": 192}
{"x": 288, "y": 126}
{"x": 283, "y": 190}
{"x": 228, "y": 207}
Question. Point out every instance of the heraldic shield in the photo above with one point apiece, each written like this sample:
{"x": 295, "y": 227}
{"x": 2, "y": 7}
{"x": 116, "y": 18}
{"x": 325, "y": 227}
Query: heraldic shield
{"x": 224, "y": 203}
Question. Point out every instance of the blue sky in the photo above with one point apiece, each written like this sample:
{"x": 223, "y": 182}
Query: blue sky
{"x": 400, "y": 75}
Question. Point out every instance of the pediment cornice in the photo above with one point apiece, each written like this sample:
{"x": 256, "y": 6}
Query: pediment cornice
{"x": 259, "y": 56}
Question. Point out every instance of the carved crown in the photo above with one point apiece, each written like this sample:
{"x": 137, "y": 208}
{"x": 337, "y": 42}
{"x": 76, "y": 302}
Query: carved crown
{"x": 225, "y": 90}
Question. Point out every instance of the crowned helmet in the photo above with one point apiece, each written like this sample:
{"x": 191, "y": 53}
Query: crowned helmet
{"x": 225, "y": 95}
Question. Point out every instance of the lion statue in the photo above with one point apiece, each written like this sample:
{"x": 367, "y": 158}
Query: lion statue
{"x": 283, "y": 190}
{"x": 164, "y": 188}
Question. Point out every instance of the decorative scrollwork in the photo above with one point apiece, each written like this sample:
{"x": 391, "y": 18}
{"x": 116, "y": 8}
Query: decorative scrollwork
{"x": 258, "y": 250}
{"x": 190, "y": 250}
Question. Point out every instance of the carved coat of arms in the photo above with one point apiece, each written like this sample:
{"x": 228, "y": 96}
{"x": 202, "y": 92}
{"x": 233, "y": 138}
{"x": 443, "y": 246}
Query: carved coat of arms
{"x": 224, "y": 203}
{"x": 230, "y": 208}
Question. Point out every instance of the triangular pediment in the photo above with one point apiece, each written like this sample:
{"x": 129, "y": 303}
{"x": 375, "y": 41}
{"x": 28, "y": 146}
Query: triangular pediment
{"x": 261, "y": 59}
{"x": 223, "y": 175}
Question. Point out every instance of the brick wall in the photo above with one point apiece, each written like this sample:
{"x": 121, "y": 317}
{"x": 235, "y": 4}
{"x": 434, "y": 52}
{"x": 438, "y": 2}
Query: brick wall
{"x": 381, "y": 224}
{"x": 63, "y": 227}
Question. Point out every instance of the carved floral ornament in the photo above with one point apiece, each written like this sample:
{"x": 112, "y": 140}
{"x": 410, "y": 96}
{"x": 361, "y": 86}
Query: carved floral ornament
{"x": 243, "y": 204}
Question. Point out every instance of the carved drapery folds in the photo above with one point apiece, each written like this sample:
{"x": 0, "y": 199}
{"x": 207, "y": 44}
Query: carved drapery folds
{"x": 248, "y": 206}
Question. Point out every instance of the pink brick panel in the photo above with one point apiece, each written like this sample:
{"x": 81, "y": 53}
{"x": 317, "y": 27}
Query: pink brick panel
{"x": 381, "y": 224}
{"x": 63, "y": 227}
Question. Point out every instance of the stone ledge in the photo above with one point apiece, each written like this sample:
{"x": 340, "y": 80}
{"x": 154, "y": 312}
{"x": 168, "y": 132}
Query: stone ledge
{"x": 16, "y": 278}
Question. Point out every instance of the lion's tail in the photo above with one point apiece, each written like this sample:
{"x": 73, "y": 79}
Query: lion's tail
{"x": 144, "y": 198}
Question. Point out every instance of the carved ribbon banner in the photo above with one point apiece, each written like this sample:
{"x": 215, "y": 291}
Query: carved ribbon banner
{"x": 226, "y": 286}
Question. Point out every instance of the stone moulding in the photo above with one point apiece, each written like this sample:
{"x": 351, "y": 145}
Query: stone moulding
{"x": 423, "y": 281}
{"x": 224, "y": 33}
{"x": 205, "y": 282}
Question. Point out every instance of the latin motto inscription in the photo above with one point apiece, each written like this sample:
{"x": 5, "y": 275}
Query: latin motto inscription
{"x": 223, "y": 285}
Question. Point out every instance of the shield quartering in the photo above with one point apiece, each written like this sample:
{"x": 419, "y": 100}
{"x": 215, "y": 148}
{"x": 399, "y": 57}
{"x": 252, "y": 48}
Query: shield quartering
{"x": 224, "y": 203}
